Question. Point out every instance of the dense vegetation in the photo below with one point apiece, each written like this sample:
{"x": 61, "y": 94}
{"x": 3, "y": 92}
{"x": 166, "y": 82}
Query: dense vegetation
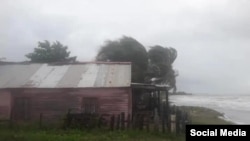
{"x": 46, "y": 53}
{"x": 126, "y": 49}
{"x": 154, "y": 66}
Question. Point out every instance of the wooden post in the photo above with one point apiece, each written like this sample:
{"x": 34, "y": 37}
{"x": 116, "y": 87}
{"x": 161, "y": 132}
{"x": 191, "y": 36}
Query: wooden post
{"x": 141, "y": 122}
{"x": 156, "y": 120}
{"x": 11, "y": 119}
{"x": 134, "y": 119}
{"x": 40, "y": 120}
{"x": 128, "y": 121}
{"x": 147, "y": 123}
{"x": 186, "y": 120}
{"x": 122, "y": 121}
{"x": 159, "y": 102}
{"x": 100, "y": 121}
{"x": 68, "y": 119}
{"x": 112, "y": 122}
{"x": 173, "y": 123}
{"x": 178, "y": 121}
{"x": 118, "y": 122}
{"x": 167, "y": 110}
{"x": 163, "y": 117}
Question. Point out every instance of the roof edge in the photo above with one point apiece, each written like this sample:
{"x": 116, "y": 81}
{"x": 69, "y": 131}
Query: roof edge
{"x": 116, "y": 87}
{"x": 64, "y": 63}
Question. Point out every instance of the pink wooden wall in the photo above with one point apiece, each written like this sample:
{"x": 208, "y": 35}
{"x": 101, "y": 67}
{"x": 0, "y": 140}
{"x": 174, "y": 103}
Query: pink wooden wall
{"x": 5, "y": 101}
{"x": 54, "y": 103}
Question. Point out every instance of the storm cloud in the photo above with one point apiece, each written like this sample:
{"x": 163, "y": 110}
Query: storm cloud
{"x": 212, "y": 37}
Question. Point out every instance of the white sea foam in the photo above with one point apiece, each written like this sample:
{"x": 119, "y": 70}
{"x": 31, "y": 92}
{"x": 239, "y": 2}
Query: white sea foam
{"x": 235, "y": 108}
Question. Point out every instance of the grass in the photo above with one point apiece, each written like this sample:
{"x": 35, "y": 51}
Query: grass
{"x": 79, "y": 135}
{"x": 198, "y": 115}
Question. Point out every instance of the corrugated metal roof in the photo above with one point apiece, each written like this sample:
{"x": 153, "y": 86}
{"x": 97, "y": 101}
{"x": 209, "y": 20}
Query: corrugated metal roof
{"x": 79, "y": 75}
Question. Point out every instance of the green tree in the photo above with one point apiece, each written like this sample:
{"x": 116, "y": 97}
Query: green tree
{"x": 126, "y": 49}
{"x": 160, "y": 70}
{"x": 47, "y": 53}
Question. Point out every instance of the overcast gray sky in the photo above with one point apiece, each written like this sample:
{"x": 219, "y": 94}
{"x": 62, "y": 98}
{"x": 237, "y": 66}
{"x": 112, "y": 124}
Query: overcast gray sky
{"x": 212, "y": 37}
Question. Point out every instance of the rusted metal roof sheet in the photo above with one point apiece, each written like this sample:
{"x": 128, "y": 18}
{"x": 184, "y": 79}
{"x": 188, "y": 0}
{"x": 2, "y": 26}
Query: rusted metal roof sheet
{"x": 79, "y": 75}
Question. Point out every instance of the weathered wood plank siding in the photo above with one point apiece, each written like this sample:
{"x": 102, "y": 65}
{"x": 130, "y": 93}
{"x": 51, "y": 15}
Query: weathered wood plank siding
{"x": 5, "y": 101}
{"x": 110, "y": 100}
{"x": 55, "y": 103}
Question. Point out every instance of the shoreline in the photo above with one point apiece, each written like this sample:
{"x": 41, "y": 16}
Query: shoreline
{"x": 204, "y": 115}
{"x": 234, "y": 109}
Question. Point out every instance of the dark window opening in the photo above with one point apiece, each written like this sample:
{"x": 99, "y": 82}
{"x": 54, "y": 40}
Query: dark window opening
{"x": 89, "y": 105}
{"x": 21, "y": 109}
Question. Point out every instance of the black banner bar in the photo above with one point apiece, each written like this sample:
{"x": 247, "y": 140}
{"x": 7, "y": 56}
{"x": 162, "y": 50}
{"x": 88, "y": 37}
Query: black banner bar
{"x": 217, "y": 132}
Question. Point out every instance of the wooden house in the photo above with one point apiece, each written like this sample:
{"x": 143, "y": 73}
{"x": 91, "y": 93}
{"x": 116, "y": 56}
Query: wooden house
{"x": 28, "y": 90}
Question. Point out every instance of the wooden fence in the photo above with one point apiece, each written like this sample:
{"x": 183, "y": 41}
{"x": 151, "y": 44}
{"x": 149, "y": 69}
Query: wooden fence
{"x": 174, "y": 120}
{"x": 170, "y": 119}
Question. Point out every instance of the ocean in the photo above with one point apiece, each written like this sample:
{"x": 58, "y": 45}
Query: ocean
{"x": 236, "y": 108}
